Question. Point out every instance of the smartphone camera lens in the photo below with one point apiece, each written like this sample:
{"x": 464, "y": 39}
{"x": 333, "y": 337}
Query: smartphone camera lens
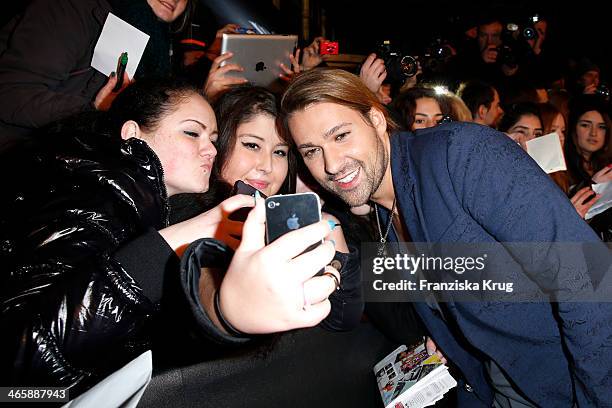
{"x": 273, "y": 204}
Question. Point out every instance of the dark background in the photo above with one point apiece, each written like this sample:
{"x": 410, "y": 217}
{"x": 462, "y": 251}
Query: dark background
{"x": 575, "y": 28}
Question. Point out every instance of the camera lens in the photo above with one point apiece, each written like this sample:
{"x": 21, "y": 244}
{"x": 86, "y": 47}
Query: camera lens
{"x": 530, "y": 33}
{"x": 603, "y": 91}
{"x": 409, "y": 65}
{"x": 272, "y": 205}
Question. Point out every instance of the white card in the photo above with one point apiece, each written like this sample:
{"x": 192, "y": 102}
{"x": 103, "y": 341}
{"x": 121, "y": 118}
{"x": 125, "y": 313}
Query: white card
{"x": 546, "y": 151}
{"x": 117, "y": 37}
{"x": 605, "y": 202}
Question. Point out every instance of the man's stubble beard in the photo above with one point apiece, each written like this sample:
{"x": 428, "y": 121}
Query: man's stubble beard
{"x": 373, "y": 178}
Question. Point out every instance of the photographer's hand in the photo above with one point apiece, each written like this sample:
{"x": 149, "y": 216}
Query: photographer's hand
{"x": 289, "y": 74}
{"x": 311, "y": 56}
{"x": 373, "y": 72}
{"x": 412, "y": 81}
{"x": 590, "y": 89}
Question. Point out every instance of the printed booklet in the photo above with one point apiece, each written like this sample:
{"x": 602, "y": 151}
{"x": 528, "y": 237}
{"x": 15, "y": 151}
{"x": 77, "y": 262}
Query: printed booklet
{"x": 411, "y": 378}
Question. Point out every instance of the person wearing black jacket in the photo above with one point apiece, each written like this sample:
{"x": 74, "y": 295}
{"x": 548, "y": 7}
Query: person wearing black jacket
{"x": 88, "y": 260}
{"x": 46, "y": 53}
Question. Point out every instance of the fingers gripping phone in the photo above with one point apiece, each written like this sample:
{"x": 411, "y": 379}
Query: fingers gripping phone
{"x": 240, "y": 187}
{"x": 285, "y": 213}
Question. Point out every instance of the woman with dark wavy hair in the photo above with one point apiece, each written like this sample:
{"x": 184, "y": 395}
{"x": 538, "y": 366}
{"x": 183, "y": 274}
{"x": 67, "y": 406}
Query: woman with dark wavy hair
{"x": 252, "y": 147}
{"x": 420, "y": 108}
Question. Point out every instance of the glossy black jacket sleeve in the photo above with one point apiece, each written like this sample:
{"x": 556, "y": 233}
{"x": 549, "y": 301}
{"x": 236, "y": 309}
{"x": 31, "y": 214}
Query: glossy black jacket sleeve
{"x": 211, "y": 254}
{"x": 72, "y": 309}
{"x": 75, "y": 316}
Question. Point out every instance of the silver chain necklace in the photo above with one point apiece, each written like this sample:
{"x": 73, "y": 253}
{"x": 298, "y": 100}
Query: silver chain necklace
{"x": 383, "y": 238}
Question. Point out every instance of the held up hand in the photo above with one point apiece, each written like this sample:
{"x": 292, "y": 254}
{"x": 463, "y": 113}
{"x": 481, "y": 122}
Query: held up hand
{"x": 214, "y": 223}
{"x": 106, "y": 96}
{"x": 580, "y": 203}
{"x": 270, "y": 288}
{"x": 311, "y": 57}
{"x": 290, "y": 73}
{"x": 373, "y": 72}
{"x": 217, "y": 81}
{"x": 590, "y": 89}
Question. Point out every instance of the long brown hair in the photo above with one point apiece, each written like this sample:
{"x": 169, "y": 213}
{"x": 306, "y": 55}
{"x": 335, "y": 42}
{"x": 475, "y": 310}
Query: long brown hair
{"x": 406, "y": 102}
{"x": 332, "y": 86}
{"x": 239, "y": 105}
{"x": 548, "y": 113}
{"x": 575, "y": 161}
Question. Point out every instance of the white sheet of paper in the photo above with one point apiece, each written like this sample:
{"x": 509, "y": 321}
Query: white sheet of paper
{"x": 605, "y": 202}
{"x": 123, "y": 388}
{"x": 546, "y": 151}
{"x": 116, "y": 37}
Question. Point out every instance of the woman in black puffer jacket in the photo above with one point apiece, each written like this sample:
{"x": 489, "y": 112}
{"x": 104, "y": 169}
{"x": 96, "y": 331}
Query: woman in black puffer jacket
{"x": 88, "y": 264}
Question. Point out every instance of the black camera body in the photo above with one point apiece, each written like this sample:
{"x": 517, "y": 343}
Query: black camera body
{"x": 437, "y": 55}
{"x": 603, "y": 92}
{"x": 399, "y": 67}
{"x": 515, "y": 47}
{"x": 507, "y": 56}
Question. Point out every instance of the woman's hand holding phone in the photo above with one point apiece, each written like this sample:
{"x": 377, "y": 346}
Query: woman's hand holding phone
{"x": 273, "y": 288}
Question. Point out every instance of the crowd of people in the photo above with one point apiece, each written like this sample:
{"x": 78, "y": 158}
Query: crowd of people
{"x": 116, "y": 234}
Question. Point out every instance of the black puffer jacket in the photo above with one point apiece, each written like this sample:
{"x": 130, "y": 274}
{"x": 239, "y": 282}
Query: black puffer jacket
{"x": 86, "y": 281}
{"x": 45, "y": 57}
{"x": 83, "y": 269}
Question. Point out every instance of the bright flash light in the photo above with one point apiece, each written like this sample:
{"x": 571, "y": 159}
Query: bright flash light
{"x": 441, "y": 90}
